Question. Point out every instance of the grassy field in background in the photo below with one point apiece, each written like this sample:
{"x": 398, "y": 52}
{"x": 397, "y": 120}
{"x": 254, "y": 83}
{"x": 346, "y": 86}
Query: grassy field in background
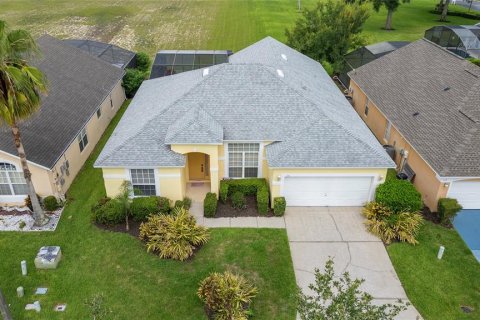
{"x": 137, "y": 284}
{"x": 197, "y": 24}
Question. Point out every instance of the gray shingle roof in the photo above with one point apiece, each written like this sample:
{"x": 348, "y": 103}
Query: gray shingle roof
{"x": 251, "y": 102}
{"x": 78, "y": 84}
{"x": 443, "y": 89}
{"x": 195, "y": 126}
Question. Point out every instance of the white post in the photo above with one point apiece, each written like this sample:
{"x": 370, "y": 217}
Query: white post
{"x": 299, "y": 5}
{"x": 440, "y": 252}
{"x": 23, "y": 264}
{"x": 20, "y": 292}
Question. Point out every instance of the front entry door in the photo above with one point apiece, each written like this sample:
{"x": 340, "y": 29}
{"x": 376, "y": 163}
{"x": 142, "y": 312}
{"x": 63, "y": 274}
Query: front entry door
{"x": 197, "y": 165}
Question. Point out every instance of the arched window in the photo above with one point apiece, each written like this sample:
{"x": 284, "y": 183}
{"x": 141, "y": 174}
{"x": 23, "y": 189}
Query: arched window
{"x": 12, "y": 181}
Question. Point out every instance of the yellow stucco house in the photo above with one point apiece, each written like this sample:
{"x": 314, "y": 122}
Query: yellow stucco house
{"x": 424, "y": 101}
{"x": 269, "y": 112}
{"x": 84, "y": 95}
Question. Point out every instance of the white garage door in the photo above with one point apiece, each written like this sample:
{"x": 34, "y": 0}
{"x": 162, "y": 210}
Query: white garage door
{"x": 467, "y": 193}
{"x": 326, "y": 191}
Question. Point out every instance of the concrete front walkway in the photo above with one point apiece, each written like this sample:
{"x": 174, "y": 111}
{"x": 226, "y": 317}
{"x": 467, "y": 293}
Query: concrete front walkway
{"x": 317, "y": 233}
{"x": 243, "y": 222}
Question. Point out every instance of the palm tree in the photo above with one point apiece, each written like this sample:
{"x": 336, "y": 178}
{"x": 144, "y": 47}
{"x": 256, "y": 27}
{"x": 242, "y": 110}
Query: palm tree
{"x": 124, "y": 200}
{"x": 20, "y": 89}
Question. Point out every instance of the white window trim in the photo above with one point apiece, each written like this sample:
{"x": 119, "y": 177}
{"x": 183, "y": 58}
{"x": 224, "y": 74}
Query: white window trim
{"x": 80, "y": 141}
{"x": 12, "y": 197}
{"x": 128, "y": 175}
{"x": 227, "y": 159}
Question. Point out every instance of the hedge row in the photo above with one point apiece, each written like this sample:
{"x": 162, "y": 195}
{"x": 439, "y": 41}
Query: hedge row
{"x": 210, "y": 205}
{"x": 248, "y": 187}
{"x": 399, "y": 195}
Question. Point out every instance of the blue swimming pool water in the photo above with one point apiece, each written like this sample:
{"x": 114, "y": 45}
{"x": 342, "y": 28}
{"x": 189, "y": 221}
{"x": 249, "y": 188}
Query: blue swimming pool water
{"x": 467, "y": 223}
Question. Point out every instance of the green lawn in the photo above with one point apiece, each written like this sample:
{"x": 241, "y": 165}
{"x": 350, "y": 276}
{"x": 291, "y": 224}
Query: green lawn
{"x": 139, "y": 285}
{"x": 202, "y": 24}
{"x": 438, "y": 288}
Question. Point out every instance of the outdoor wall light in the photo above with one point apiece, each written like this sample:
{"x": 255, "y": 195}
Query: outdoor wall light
{"x": 446, "y": 184}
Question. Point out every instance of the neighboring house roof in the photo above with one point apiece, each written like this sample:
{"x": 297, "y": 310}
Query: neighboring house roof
{"x": 432, "y": 97}
{"x": 119, "y": 57}
{"x": 267, "y": 92}
{"x": 78, "y": 84}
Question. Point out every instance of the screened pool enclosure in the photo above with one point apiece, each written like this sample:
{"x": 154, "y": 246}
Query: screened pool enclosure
{"x": 461, "y": 40}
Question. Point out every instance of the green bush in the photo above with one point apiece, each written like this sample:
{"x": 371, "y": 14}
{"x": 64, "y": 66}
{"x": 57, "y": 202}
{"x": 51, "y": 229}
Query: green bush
{"x": 50, "y": 203}
{"x": 448, "y": 209}
{"x": 173, "y": 236}
{"x": 143, "y": 61}
{"x": 132, "y": 80}
{"x": 210, "y": 205}
{"x": 390, "y": 225}
{"x": 279, "y": 205}
{"x": 223, "y": 191}
{"x": 262, "y": 200}
{"x": 238, "y": 201}
{"x": 399, "y": 195}
{"x": 248, "y": 186}
{"x": 111, "y": 212}
{"x": 226, "y": 295}
{"x": 178, "y": 204}
{"x": 164, "y": 205}
{"x": 187, "y": 203}
{"x": 142, "y": 207}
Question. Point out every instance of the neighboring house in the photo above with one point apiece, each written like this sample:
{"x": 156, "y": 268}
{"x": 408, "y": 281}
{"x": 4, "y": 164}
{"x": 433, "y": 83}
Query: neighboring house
{"x": 84, "y": 94}
{"x": 425, "y": 101}
{"x": 168, "y": 62}
{"x": 366, "y": 54}
{"x": 270, "y": 112}
{"x": 119, "y": 57}
{"x": 462, "y": 40}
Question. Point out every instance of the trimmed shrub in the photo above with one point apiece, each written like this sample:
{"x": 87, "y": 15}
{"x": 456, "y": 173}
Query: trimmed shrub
{"x": 390, "y": 225}
{"x": 50, "y": 203}
{"x": 226, "y": 295}
{"x": 399, "y": 196}
{"x": 187, "y": 203}
{"x": 279, "y": 206}
{"x": 247, "y": 186}
{"x": 223, "y": 191}
{"x": 109, "y": 213}
{"x": 238, "y": 201}
{"x": 173, "y": 236}
{"x": 178, "y": 204}
{"x": 142, "y": 207}
{"x": 448, "y": 209}
{"x": 143, "y": 61}
{"x": 262, "y": 200}
{"x": 164, "y": 205}
{"x": 210, "y": 205}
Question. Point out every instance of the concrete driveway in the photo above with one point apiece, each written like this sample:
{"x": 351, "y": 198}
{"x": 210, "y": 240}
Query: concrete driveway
{"x": 317, "y": 233}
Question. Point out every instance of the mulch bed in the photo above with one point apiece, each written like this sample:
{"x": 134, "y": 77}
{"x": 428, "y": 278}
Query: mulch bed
{"x": 226, "y": 210}
{"x": 433, "y": 217}
{"x": 134, "y": 227}
{"x": 4, "y": 212}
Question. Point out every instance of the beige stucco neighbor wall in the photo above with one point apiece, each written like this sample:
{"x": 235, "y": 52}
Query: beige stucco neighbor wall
{"x": 426, "y": 180}
{"x": 47, "y": 181}
{"x": 275, "y": 176}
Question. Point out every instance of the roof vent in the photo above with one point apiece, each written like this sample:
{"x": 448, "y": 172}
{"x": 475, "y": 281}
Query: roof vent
{"x": 416, "y": 114}
{"x": 205, "y": 72}
{"x": 446, "y": 89}
{"x": 284, "y": 57}
{"x": 280, "y": 73}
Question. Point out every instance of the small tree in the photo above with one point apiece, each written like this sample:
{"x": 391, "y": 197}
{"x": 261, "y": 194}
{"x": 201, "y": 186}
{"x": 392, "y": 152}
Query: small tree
{"x": 132, "y": 80}
{"x": 143, "y": 62}
{"x": 328, "y": 31}
{"x": 342, "y": 299}
{"x": 124, "y": 200}
{"x": 97, "y": 307}
{"x": 391, "y": 6}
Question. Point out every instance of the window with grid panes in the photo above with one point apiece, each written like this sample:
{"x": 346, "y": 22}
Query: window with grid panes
{"x": 12, "y": 182}
{"x": 143, "y": 182}
{"x": 243, "y": 160}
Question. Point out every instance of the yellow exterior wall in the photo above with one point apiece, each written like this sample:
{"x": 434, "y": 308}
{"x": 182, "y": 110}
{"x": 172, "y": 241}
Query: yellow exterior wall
{"x": 275, "y": 174}
{"x": 46, "y": 181}
{"x": 212, "y": 151}
{"x": 172, "y": 183}
{"x": 426, "y": 180}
